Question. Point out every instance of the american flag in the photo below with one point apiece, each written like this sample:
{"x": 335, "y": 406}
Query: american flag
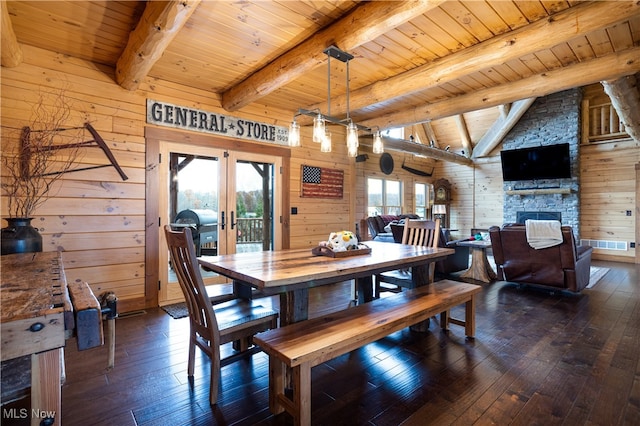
{"x": 319, "y": 182}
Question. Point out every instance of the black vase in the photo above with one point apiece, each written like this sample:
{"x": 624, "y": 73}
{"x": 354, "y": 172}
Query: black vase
{"x": 20, "y": 237}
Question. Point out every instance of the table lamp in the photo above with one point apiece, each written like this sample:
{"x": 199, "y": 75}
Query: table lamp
{"x": 439, "y": 211}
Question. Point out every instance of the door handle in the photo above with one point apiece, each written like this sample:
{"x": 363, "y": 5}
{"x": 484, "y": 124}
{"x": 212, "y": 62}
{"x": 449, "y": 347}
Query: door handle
{"x": 233, "y": 224}
{"x": 222, "y": 222}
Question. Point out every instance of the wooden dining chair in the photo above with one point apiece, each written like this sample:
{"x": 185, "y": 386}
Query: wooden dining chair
{"x": 417, "y": 232}
{"x": 210, "y": 327}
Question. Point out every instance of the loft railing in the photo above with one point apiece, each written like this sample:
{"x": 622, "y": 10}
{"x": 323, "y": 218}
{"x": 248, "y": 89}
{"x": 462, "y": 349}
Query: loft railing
{"x": 604, "y": 123}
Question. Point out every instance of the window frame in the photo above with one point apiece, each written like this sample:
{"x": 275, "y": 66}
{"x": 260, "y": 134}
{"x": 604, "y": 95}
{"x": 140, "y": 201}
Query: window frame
{"x": 385, "y": 208}
{"x": 427, "y": 193}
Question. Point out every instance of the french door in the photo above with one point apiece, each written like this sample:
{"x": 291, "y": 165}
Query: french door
{"x": 234, "y": 197}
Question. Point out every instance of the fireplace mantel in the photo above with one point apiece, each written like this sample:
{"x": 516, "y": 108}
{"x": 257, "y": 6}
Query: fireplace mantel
{"x": 539, "y": 191}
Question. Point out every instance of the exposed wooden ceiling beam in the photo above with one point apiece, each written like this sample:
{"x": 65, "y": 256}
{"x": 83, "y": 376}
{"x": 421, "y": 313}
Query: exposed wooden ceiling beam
{"x": 11, "y": 53}
{"x": 420, "y": 134}
{"x": 501, "y": 127}
{"x": 542, "y": 34}
{"x": 365, "y": 23}
{"x": 409, "y": 147}
{"x": 463, "y": 131}
{"x": 612, "y": 66}
{"x": 433, "y": 140}
{"x": 625, "y": 98}
{"x": 159, "y": 24}
{"x": 504, "y": 110}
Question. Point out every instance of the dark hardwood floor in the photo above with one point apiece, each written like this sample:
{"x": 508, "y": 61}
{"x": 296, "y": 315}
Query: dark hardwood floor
{"x": 538, "y": 358}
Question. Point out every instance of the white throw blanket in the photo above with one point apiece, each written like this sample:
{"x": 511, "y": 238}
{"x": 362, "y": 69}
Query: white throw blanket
{"x": 543, "y": 233}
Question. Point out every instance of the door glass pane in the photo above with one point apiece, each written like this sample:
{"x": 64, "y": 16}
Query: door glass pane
{"x": 193, "y": 198}
{"x": 254, "y": 206}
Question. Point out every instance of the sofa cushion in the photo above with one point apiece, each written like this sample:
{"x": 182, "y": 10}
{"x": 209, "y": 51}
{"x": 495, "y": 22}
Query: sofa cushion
{"x": 377, "y": 224}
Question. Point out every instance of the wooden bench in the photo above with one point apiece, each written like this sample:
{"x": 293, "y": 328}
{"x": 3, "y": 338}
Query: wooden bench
{"x": 305, "y": 344}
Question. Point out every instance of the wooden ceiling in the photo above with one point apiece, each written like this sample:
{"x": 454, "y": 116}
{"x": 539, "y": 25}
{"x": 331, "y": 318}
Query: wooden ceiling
{"x": 414, "y": 61}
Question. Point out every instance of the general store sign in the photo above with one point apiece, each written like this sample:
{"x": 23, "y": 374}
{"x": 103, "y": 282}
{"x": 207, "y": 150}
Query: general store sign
{"x": 180, "y": 117}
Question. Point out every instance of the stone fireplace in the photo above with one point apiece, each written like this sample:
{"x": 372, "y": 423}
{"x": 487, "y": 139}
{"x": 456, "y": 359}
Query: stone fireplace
{"x": 553, "y": 119}
{"x": 521, "y": 217}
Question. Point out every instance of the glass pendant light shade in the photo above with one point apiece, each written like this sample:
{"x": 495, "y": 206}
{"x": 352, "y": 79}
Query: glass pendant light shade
{"x": 325, "y": 144}
{"x": 294, "y": 134}
{"x": 352, "y": 135}
{"x": 352, "y": 151}
{"x": 352, "y": 140}
{"x": 378, "y": 147}
{"x": 318, "y": 129}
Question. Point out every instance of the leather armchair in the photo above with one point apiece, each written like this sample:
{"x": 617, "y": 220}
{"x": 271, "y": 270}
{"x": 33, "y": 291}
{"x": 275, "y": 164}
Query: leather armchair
{"x": 458, "y": 261}
{"x": 565, "y": 266}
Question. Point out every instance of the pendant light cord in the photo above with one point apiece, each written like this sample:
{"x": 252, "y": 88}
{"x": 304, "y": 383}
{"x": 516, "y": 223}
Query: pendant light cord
{"x": 328, "y": 84}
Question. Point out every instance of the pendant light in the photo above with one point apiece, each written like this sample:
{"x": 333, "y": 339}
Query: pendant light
{"x": 294, "y": 133}
{"x": 378, "y": 146}
{"x": 320, "y": 121}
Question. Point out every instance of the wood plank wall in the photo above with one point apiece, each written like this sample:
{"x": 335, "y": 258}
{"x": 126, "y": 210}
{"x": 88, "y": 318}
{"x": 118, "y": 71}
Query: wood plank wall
{"x": 95, "y": 218}
{"x": 317, "y": 217}
{"x": 98, "y": 220}
{"x": 371, "y": 169}
{"x": 607, "y": 186}
{"x": 476, "y": 195}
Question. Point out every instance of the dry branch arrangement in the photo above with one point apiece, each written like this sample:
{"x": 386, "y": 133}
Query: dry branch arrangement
{"x": 36, "y": 156}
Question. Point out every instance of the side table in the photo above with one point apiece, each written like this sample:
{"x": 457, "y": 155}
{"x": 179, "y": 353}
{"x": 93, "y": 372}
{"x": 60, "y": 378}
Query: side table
{"x": 480, "y": 269}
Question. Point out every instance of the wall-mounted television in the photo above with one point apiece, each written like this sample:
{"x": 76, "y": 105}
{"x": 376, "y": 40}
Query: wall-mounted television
{"x": 540, "y": 162}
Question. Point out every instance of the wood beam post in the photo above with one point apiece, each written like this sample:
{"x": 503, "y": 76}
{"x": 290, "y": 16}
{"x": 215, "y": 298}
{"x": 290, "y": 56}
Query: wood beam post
{"x": 418, "y": 149}
{"x": 625, "y": 98}
{"x": 11, "y": 53}
{"x": 421, "y": 134}
{"x": 433, "y": 140}
{"x": 464, "y": 135}
{"x": 501, "y": 127}
{"x": 160, "y": 23}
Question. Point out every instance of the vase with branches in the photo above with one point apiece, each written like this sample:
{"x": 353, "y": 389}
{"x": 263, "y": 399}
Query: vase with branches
{"x": 34, "y": 158}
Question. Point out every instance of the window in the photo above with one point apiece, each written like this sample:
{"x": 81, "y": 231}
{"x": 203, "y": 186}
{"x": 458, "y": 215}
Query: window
{"x": 422, "y": 196}
{"x": 384, "y": 197}
{"x": 394, "y": 133}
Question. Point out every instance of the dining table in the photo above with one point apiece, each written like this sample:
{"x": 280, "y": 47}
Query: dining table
{"x": 290, "y": 273}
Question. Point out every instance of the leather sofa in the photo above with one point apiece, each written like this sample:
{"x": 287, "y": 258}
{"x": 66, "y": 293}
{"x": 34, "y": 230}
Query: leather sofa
{"x": 564, "y": 266}
{"x": 453, "y": 263}
{"x": 376, "y": 225}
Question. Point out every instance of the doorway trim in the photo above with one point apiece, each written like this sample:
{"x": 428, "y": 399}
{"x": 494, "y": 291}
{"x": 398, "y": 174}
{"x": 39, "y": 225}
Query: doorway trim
{"x": 637, "y": 213}
{"x": 153, "y": 137}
